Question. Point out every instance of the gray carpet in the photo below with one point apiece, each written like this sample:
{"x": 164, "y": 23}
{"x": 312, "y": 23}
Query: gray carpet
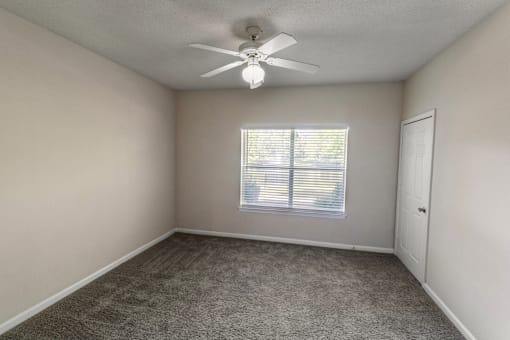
{"x": 196, "y": 287}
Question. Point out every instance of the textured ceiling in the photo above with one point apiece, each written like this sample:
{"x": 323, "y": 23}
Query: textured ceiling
{"x": 352, "y": 40}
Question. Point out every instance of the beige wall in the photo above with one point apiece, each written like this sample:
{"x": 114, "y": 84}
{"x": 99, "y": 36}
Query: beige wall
{"x": 86, "y": 154}
{"x": 208, "y": 158}
{"x": 469, "y": 251}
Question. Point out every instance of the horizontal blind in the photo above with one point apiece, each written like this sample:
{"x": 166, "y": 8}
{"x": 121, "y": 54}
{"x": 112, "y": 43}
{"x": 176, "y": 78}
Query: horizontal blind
{"x": 296, "y": 169}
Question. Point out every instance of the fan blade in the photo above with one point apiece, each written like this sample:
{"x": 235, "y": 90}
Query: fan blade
{"x": 281, "y": 41}
{"x": 292, "y": 65}
{"x": 214, "y": 49}
{"x": 223, "y": 69}
{"x": 255, "y": 85}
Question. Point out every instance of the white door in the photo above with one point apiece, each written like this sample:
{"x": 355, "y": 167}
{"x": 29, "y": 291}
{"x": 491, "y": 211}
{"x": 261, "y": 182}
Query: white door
{"x": 415, "y": 171}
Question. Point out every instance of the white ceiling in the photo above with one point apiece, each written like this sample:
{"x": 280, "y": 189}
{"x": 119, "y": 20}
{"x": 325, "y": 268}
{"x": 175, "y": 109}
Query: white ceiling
{"x": 352, "y": 40}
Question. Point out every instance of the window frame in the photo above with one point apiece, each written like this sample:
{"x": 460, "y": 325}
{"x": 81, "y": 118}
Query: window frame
{"x": 270, "y": 209}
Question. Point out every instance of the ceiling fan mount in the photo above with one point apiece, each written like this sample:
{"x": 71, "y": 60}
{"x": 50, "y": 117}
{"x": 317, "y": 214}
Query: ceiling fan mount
{"x": 254, "y": 52}
{"x": 254, "y": 32}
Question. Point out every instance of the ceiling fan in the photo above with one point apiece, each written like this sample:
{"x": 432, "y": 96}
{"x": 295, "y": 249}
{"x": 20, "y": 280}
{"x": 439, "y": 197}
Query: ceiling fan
{"x": 253, "y": 53}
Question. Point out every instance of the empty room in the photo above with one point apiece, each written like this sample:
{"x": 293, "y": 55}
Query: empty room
{"x": 234, "y": 169}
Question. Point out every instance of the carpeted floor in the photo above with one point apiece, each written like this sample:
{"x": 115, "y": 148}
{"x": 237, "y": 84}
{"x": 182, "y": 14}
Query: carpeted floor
{"x": 196, "y": 287}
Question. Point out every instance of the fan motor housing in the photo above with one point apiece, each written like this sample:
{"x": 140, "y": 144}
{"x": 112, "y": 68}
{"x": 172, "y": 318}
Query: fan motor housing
{"x": 250, "y": 49}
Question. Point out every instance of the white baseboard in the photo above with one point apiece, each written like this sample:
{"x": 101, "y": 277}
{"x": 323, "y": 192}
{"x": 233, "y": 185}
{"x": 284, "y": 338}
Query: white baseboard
{"x": 286, "y": 240}
{"x": 453, "y": 318}
{"x": 16, "y": 320}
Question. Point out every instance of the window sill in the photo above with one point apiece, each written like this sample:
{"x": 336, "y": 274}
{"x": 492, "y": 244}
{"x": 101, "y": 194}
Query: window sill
{"x": 294, "y": 212}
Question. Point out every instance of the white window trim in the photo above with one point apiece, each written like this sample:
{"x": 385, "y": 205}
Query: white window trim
{"x": 277, "y": 126}
{"x": 292, "y": 211}
{"x": 296, "y": 211}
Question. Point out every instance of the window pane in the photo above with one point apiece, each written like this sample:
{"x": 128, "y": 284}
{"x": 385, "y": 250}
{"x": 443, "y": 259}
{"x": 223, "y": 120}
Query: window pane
{"x": 319, "y": 148}
{"x": 268, "y": 147}
{"x": 318, "y": 189}
{"x": 266, "y": 186}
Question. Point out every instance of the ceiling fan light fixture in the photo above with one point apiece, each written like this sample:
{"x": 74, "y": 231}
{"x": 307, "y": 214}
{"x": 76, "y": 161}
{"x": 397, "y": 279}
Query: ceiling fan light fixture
{"x": 253, "y": 73}
{"x": 253, "y": 53}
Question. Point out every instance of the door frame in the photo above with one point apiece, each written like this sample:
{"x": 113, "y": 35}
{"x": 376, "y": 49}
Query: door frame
{"x": 425, "y": 115}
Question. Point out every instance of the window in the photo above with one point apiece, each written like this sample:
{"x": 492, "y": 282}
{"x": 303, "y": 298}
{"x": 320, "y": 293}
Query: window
{"x": 294, "y": 170}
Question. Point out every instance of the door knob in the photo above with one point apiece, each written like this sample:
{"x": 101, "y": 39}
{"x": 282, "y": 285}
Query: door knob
{"x": 422, "y": 210}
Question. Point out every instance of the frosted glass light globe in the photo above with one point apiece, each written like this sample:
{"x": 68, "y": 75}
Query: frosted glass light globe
{"x": 253, "y": 74}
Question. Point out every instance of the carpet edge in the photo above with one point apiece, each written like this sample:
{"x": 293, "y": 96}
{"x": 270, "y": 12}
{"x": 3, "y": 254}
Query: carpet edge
{"x": 285, "y": 240}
